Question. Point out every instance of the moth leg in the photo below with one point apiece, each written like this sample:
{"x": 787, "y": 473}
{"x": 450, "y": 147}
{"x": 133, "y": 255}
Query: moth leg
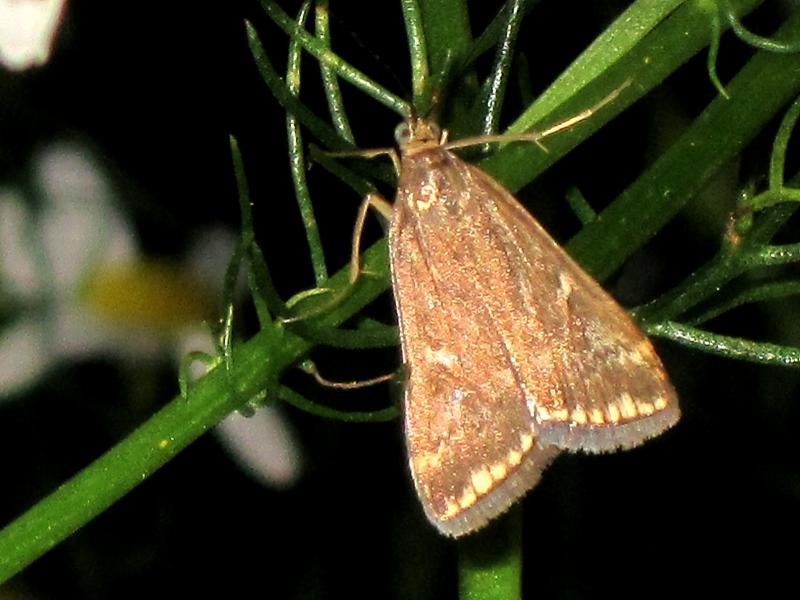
{"x": 299, "y": 297}
{"x": 370, "y": 153}
{"x": 309, "y": 367}
{"x": 390, "y": 152}
{"x": 371, "y": 200}
{"x": 378, "y": 203}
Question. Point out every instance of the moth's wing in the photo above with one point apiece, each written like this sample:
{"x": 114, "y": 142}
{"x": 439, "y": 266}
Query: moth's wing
{"x": 471, "y": 439}
{"x": 605, "y": 387}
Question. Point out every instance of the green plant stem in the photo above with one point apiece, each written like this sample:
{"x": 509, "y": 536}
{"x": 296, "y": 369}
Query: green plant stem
{"x": 447, "y": 32}
{"x": 663, "y": 51}
{"x": 616, "y": 41}
{"x": 772, "y": 197}
{"x": 757, "y": 93}
{"x": 779, "y": 147}
{"x": 262, "y": 287}
{"x": 490, "y": 36}
{"x": 767, "y": 223}
{"x": 757, "y": 41}
{"x": 255, "y": 364}
{"x": 223, "y": 341}
{"x": 122, "y": 468}
{"x": 493, "y": 91}
{"x": 768, "y": 256}
{"x": 697, "y": 287}
{"x": 726, "y": 346}
{"x": 770, "y": 290}
{"x": 490, "y": 561}
{"x": 418, "y": 53}
{"x": 448, "y": 41}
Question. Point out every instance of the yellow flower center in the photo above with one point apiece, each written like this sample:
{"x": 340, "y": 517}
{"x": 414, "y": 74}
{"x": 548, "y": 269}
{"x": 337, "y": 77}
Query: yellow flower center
{"x": 149, "y": 294}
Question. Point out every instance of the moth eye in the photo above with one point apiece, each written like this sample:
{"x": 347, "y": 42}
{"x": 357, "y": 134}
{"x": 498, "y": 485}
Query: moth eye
{"x": 402, "y": 133}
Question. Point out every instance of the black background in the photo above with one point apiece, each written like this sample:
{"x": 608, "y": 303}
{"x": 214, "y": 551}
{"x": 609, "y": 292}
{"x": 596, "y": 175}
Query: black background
{"x": 156, "y": 88}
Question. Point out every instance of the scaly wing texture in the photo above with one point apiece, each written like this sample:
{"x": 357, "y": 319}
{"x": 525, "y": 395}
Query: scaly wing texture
{"x": 468, "y": 465}
{"x": 495, "y": 319}
{"x": 607, "y": 388}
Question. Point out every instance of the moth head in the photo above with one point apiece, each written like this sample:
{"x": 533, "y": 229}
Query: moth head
{"x": 417, "y": 133}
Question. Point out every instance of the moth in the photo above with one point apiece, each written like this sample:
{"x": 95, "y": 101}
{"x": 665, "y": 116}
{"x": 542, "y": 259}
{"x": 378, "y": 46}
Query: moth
{"x": 512, "y": 352}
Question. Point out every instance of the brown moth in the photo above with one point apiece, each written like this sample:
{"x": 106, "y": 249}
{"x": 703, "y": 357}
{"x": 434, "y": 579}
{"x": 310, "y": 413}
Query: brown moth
{"x": 512, "y": 351}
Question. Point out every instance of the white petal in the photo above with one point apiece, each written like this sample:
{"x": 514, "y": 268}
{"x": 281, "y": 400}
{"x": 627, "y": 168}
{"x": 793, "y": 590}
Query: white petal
{"x": 81, "y": 225}
{"x": 24, "y": 356}
{"x": 19, "y": 275}
{"x": 262, "y": 445}
{"x": 76, "y": 333}
{"x": 69, "y": 175}
{"x": 27, "y": 29}
{"x": 210, "y": 254}
{"x": 195, "y": 339}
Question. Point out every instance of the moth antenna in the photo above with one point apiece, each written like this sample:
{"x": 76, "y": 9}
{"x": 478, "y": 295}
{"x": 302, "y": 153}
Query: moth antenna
{"x": 536, "y": 136}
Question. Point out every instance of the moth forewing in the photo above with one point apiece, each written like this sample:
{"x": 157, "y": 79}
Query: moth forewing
{"x": 512, "y": 352}
{"x": 606, "y": 388}
{"x": 472, "y": 450}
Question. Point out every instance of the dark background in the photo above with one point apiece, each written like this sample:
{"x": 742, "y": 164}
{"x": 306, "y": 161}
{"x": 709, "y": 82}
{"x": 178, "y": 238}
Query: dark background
{"x": 156, "y": 88}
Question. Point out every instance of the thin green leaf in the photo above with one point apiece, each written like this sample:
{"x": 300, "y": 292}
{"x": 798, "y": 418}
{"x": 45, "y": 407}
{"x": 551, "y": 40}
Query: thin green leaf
{"x": 447, "y": 32}
{"x": 389, "y": 413}
{"x": 354, "y": 339}
{"x": 628, "y": 30}
{"x": 771, "y": 290}
{"x": 265, "y": 297}
{"x": 493, "y": 90}
{"x": 778, "y": 158}
{"x": 757, "y": 93}
{"x": 330, "y": 81}
{"x": 582, "y": 209}
{"x": 713, "y": 52}
{"x": 490, "y": 36}
{"x": 323, "y": 54}
{"x": 360, "y": 185}
{"x": 726, "y": 346}
{"x": 418, "y": 53}
{"x": 297, "y": 160}
{"x": 757, "y": 41}
{"x": 318, "y": 128}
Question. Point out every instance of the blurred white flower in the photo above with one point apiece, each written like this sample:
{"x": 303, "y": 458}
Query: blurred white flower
{"x": 78, "y": 286}
{"x": 27, "y": 30}
{"x": 245, "y": 439}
